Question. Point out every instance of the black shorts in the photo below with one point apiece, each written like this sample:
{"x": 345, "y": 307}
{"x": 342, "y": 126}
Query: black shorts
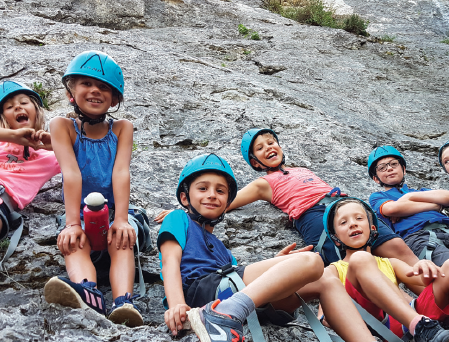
{"x": 203, "y": 289}
{"x": 417, "y": 241}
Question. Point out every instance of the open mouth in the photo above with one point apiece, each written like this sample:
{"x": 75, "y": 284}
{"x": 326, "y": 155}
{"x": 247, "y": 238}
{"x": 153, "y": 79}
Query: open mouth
{"x": 21, "y": 118}
{"x": 94, "y": 101}
{"x": 355, "y": 233}
{"x": 271, "y": 155}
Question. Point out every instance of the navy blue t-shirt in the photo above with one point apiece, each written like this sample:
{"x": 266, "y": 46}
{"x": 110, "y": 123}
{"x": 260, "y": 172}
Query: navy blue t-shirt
{"x": 197, "y": 260}
{"x": 410, "y": 224}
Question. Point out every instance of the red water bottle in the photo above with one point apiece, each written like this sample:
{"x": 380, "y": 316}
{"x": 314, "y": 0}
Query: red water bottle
{"x": 96, "y": 221}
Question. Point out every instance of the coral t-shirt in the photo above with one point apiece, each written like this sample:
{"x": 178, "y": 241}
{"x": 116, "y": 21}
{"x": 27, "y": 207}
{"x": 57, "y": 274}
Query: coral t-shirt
{"x": 296, "y": 191}
{"x": 22, "y": 178}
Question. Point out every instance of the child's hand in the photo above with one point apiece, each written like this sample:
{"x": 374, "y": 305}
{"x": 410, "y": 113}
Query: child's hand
{"x": 22, "y": 136}
{"x": 125, "y": 235}
{"x": 175, "y": 317}
{"x": 160, "y": 217}
{"x": 42, "y": 139}
{"x": 68, "y": 239}
{"x": 290, "y": 250}
{"x": 427, "y": 269}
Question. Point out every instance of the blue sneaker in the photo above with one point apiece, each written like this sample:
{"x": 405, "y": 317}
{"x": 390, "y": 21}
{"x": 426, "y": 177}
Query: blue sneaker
{"x": 62, "y": 291}
{"x": 212, "y": 326}
{"x": 123, "y": 311}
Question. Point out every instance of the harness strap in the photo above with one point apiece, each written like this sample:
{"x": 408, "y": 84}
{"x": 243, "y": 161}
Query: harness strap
{"x": 434, "y": 242}
{"x": 377, "y": 326}
{"x": 13, "y": 216}
{"x": 142, "y": 290}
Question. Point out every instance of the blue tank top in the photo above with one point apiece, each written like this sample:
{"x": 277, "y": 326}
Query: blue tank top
{"x": 96, "y": 158}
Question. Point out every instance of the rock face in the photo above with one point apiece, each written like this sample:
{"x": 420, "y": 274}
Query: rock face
{"x": 194, "y": 85}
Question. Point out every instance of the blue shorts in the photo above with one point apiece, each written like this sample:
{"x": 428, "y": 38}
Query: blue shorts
{"x": 310, "y": 226}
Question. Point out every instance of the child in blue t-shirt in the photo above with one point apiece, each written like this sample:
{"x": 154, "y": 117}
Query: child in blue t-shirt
{"x": 191, "y": 255}
{"x": 413, "y": 214}
{"x": 443, "y": 156}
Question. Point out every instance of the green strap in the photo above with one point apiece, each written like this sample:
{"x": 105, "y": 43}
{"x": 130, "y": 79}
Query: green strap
{"x": 14, "y": 241}
{"x": 316, "y": 325}
{"x": 377, "y": 326}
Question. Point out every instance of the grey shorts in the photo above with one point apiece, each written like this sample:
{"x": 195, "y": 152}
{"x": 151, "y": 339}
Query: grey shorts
{"x": 417, "y": 241}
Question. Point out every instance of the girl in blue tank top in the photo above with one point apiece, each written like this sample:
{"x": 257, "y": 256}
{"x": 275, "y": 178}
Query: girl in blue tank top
{"x": 94, "y": 155}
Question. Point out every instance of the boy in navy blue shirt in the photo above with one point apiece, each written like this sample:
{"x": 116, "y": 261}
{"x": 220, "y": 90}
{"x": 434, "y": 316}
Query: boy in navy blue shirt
{"x": 413, "y": 214}
{"x": 191, "y": 256}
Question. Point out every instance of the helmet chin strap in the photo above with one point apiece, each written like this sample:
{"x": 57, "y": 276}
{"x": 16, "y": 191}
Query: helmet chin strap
{"x": 269, "y": 168}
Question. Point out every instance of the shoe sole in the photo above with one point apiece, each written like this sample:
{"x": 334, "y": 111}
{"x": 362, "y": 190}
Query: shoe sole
{"x": 127, "y": 315}
{"x": 197, "y": 325}
{"x": 59, "y": 292}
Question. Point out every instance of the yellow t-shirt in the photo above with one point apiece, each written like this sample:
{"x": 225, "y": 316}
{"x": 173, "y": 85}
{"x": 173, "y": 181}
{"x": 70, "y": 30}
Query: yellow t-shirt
{"x": 384, "y": 265}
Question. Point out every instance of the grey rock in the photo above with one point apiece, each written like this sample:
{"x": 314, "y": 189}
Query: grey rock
{"x": 194, "y": 85}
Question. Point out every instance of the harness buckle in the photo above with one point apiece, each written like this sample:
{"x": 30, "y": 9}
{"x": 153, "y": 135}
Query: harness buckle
{"x": 432, "y": 245}
{"x": 226, "y": 269}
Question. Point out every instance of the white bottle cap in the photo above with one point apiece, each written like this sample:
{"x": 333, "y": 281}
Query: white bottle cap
{"x": 95, "y": 199}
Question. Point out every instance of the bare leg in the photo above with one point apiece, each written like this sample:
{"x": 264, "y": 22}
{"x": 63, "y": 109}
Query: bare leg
{"x": 396, "y": 248}
{"x": 338, "y": 307}
{"x": 441, "y": 287}
{"x": 365, "y": 276}
{"x": 79, "y": 265}
{"x": 278, "y": 278}
{"x": 121, "y": 274}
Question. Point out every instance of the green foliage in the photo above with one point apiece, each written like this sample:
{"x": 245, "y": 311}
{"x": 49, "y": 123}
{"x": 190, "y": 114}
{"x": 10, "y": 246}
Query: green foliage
{"x": 43, "y": 93}
{"x": 255, "y": 36}
{"x": 356, "y": 25}
{"x": 244, "y": 31}
{"x": 135, "y": 146}
{"x": 4, "y": 245}
{"x": 246, "y": 52}
{"x": 314, "y": 12}
{"x": 445, "y": 41}
{"x": 204, "y": 143}
{"x": 223, "y": 65}
{"x": 387, "y": 38}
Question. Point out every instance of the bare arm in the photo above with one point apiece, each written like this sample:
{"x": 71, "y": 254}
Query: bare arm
{"x": 403, "y": 208}
{"x": 254, "y": 191}
{"x": 440, "y": 197}
{"x": 72, "y": 184}
{"x": 171, "y": 271}
{"x": 21, "y": 136}
{"x": 125, "y": 234}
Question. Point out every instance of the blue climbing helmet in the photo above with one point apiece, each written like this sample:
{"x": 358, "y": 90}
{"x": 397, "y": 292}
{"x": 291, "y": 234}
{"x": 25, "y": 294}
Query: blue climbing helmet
{"x": 440, "y": 155}
{"x": 382, "y": 152}
{"x": 246, "y": 147}
{"x": 98, "y": 65}
{"x": 328, "y": 223}
{"x": 12, "y": 88}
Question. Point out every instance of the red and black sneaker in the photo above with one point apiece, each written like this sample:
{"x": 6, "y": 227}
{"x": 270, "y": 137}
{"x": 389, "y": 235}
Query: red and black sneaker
{"x": 212, "y": 326}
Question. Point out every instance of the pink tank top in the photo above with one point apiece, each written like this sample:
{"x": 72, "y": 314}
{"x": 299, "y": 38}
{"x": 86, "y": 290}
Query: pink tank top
{"x": 297, "y": 191}
{"x": 22, "y": 178}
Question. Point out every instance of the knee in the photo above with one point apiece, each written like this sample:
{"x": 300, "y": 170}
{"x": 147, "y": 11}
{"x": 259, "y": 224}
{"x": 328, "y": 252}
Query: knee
{"x": 399, "y": 246}
{"x": 312, "y": 262}
{"x": 361, "y": 260}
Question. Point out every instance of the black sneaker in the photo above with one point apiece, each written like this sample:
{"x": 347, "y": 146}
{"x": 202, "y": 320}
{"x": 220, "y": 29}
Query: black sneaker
{"x": 428, "y": 330}
{"x": 125, "y": 312}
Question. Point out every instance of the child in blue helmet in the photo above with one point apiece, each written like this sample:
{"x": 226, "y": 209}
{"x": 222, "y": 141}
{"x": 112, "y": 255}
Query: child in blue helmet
{"x": 443, "y": 156}
{"x": 191, "y": 255}
{"x": 95, "y": 154}
{"x": 413, "y": 214}
{"x": 373, "y": 281}
{"x": 22, "y": 171}
{"x": 301, "y": 194}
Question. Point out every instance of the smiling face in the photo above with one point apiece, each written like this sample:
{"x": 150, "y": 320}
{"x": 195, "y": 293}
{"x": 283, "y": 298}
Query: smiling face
{"x": 208, "y": 195}
{"x": 351, "y": 225}
{"x": 267, "y": 150}
{"x": 392, "y": 175}
{"x": 445, "y": 158}
{"x": 92, "y": 96}
{"x": 20, "y": 111}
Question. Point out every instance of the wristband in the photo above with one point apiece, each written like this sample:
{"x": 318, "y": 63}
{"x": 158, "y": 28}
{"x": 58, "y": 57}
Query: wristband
{"x": 71, "y": 225}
